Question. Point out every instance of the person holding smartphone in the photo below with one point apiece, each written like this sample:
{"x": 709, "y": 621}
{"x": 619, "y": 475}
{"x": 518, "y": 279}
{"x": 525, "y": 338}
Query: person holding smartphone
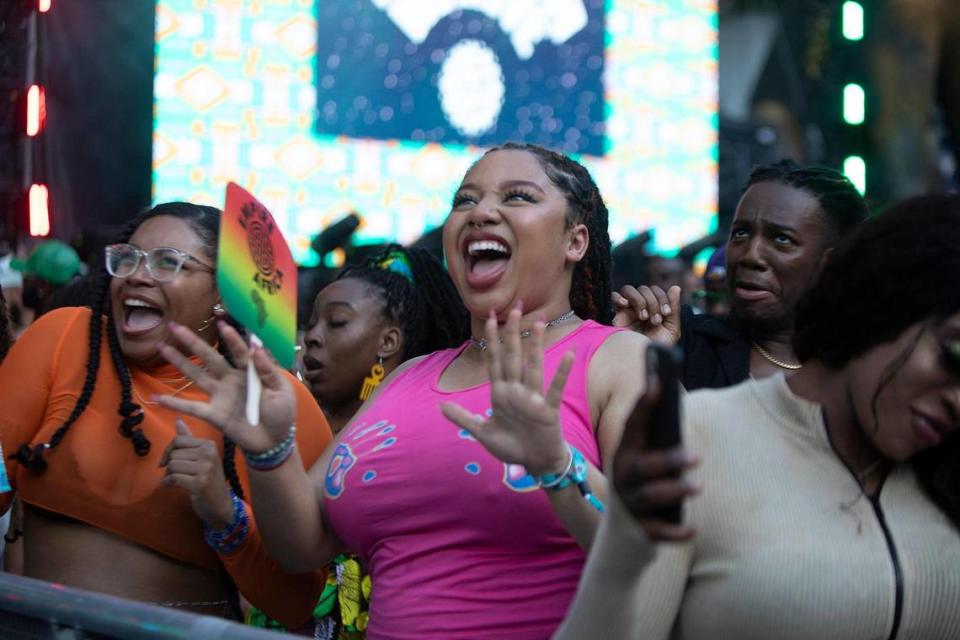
{"x": 831, "y": 499}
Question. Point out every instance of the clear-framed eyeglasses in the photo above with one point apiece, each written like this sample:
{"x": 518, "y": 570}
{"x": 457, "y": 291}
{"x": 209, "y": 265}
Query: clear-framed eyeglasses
{"x": 163, "y": 263}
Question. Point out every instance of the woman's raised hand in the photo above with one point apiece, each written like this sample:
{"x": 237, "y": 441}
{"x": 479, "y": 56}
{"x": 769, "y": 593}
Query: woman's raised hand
{"x": 649, "y": 311}
{"x": 525, "y": 426}
{"x": 194, "y": 465}
{"x": 227, "y": 387}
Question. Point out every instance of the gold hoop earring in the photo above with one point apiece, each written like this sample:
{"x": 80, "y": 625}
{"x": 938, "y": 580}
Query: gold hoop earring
{"x": 372, "y": 381}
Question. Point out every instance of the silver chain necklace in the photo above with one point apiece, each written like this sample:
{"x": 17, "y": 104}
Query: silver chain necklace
{"x": 481, "y": 343}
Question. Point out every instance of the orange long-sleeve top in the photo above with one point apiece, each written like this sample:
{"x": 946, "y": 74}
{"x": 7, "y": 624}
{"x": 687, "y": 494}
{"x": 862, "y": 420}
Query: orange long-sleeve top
{"x": 95, "y": 477}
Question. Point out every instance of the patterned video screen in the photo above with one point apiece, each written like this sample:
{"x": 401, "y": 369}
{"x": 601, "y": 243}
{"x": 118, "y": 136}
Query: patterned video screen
{"x": 326, "y": 107}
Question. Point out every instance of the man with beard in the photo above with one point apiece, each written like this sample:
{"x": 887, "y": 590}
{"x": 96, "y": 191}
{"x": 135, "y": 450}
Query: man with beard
{"x": 785, "y": 226}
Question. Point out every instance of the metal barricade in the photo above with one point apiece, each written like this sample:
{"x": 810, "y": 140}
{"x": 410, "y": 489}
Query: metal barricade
{"x": 36, "y": 610}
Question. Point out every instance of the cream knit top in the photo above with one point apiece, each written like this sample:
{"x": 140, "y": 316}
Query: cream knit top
{"x": 787, "y": 546}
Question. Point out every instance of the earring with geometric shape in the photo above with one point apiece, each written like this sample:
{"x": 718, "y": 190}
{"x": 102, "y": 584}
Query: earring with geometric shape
{"x": 373, "y": 380}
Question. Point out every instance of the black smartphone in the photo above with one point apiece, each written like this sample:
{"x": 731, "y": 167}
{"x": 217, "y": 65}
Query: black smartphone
{"x": 663, "y": 425}
{"x": 663, "y": 428}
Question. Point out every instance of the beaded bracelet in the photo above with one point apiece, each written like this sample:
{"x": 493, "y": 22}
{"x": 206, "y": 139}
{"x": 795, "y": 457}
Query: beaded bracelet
{"x": 275, "y": 456}
{"x": 226, "y": 540}
{"x": 575, "y": 473}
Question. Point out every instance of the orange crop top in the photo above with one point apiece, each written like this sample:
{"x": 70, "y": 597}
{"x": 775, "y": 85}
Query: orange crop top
{"x": 94, "y": 476}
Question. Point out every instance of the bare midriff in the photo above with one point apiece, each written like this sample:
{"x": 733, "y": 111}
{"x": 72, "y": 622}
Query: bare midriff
{"x": 76, "y": 554}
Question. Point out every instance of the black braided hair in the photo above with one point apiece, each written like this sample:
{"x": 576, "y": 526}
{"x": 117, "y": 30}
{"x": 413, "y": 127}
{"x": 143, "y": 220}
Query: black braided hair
{"x": 898, "y": 269}
{"x": 839, "y": 199}
{"x": 205, "y": 222}
{"x": 229, "y": 446}
{"x": 6, "y": 335}
{"x": 427, "y": 309}
{"x": 591, "y": 286}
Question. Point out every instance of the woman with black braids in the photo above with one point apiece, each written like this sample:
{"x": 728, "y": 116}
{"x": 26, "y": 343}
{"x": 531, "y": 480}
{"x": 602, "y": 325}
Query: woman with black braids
{"x": 476, "y": 531}
{"x": 397, "y": 306}
{"x": 85, "y": 440}
{"x": 6, "y": 334}
{"x": 831, "y": 498}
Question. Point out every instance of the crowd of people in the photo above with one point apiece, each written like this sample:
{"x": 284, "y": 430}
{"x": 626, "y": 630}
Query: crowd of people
{"x": 468, "y": 454}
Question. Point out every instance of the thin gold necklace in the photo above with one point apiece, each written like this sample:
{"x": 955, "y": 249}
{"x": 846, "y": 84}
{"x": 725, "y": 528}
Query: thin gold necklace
{"x": 792, "y": 366}
{"x": 169, "y": 395}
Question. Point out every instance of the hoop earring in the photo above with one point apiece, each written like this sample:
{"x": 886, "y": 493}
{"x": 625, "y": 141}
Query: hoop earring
{"x": 218, "y": 312}
{"x": 372, "y": 381}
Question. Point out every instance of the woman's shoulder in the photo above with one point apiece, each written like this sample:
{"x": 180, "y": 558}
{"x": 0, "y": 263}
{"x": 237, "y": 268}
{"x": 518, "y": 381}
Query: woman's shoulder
{"x": 60, "y": 320}
{"x": 60, "y": 332}
{"x": 618, "y": 352}
{"x": 744, "y": 415}
{"x": 711, "y": 404}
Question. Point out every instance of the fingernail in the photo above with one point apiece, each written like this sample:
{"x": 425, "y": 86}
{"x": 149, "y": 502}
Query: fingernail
{"x": 657, "y": 319}
{"x": 666, "y": 309}
{"x": 643, "y": 314}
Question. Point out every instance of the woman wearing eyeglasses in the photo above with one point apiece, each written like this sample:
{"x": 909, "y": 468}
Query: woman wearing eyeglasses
{"x": 111, "y": 504}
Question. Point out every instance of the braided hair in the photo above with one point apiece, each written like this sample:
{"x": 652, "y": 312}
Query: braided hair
{"x": 591, "y": 286}
{"x": 6, "y": 335}
{"x": 418, "y": 297}
{"x": 897, "y": 270}
{"x": 839, "y": 198}
{"x": 205, "y": 222}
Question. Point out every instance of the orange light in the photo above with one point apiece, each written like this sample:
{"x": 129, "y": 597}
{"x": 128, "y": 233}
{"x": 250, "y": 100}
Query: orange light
{"x": 43, "y": 6}
{"x": 36, "y": 109}
{"x": 39, "y": 211}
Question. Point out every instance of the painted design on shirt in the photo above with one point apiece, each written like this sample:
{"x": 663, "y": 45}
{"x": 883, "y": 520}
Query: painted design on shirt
{"x": 515, "y": 476}
{"x": 349, "y": 451}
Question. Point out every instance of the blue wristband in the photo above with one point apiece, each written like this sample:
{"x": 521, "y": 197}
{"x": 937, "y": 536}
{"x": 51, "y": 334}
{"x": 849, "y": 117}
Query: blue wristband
{"x": 575, "y": 473}
{"x": 228, "y": 539}
{"x": 275, "y": 456}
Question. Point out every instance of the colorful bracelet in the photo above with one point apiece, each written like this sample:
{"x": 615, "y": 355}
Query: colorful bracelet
{"x": 228, "y": 539}
{"x": 275, "y": 456}
{"x": 575, "y": 473}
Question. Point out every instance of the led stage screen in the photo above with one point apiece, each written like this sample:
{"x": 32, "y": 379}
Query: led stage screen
{"x": 322, "y": 107}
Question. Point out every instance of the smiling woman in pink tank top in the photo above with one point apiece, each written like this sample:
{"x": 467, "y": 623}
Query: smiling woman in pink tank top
{"x": 470, "y": 481}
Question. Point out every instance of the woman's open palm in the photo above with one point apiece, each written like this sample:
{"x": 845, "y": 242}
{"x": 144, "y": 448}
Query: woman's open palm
{"x": 227, "y": 387}
{"x": 525, "y": 425}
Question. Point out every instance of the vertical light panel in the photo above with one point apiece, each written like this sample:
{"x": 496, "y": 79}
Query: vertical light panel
{"x": 241, "y": 92}
{"x": 39, "y": 210}
{"x": 855, "y": 168}
{"x": 36, "y": 109}
{"x": 854, "y": 104}
{"x": 852, "y": 20}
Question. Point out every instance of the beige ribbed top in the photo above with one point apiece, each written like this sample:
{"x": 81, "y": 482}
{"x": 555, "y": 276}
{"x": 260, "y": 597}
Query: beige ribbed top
{"x": 787, "y": 546}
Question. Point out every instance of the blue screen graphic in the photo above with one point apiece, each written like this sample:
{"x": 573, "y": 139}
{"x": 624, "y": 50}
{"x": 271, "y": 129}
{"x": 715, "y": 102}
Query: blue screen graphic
{"x": 442, "y": 71}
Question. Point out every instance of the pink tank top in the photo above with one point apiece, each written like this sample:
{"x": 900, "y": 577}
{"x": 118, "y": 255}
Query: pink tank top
{"x": 459, "y": 544}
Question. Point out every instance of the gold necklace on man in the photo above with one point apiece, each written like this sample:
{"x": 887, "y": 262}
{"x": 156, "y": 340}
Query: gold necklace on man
{"x": 792, "y": 366}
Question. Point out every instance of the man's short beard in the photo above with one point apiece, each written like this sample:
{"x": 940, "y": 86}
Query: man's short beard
{"x": 763, "y": 325}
